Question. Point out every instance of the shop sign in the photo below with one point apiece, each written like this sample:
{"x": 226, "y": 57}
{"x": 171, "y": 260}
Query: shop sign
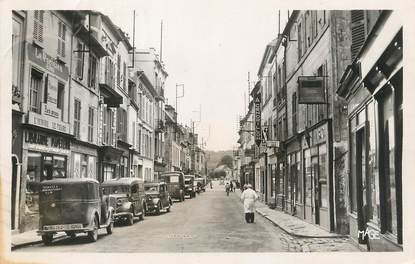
{"x": 46, "y": 121}
{"x": 311, "y": 90}
{"x": 48, "y": 62}
{"x": 258, "y": 130}
{"x": 47, "y": 143}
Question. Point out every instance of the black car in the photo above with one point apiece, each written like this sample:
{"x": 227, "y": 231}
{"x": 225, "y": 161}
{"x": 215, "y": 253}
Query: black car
{"x": 189, "y": 188}
{"x": 157, "y": 197}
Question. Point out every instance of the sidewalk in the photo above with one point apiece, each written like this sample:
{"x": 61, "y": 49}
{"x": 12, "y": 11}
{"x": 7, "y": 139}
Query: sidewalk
{"x": 293, "y": 225}
{"x": 28, "y": 238}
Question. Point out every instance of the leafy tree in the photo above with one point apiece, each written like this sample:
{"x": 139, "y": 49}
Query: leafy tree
{"x": 226, "y": 160}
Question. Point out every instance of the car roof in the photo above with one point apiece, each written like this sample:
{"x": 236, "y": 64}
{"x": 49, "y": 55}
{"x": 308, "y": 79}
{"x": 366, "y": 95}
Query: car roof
{"x": 153, "y": 183}
{"x": 70, "y": 181}
{"x": 188, "y": 176}
{"x": 121, "y": 181}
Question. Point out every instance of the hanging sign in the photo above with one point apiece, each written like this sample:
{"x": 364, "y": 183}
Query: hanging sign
{"x": 311, "y": 90}
{"x": 258, "y": 131}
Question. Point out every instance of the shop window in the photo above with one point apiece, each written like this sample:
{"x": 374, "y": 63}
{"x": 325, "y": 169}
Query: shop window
{"x": 322, "y": 176}
{"x": 84, "y": 166}
{"x": 109, "y": 172}
{"x": 124, "y": 167}
{"x": 308, "y": 178}
{"x": 299, "y": 189}
{"x": 35, "y": 90}
{"x": 372, "y": 168}
{"x": 352, "y": 178}
{"x": 77, "y": 118}
{"x": 387, "y": 133}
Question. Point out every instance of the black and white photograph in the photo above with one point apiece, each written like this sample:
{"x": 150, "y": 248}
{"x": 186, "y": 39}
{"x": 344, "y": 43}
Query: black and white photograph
{"x": 205, "y": 127}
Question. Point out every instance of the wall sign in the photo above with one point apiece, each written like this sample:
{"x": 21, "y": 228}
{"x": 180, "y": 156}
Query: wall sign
{"x": 258, "y": 131}
{"x": 311, "y": 90}
{"x": 47, "y": 62}
{"x": 48, "y": 122}
{"x": 47, "y": 143}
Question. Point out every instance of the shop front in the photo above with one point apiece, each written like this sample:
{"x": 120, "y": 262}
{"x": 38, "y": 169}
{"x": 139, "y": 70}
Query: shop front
{"x": 316, "y": 181}
{"x": 108, "y": 160}
{"x": 46, "y": 156}
{"x": 84, "y": 160}
{"x": 16, "y": 176}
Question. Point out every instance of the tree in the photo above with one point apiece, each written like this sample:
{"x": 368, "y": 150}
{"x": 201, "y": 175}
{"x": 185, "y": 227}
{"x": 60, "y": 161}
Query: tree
{"x": 226, "y": 160}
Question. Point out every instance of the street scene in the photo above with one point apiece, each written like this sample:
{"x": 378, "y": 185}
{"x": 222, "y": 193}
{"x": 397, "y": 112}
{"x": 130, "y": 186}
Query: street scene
{"x": 121, "y": 147}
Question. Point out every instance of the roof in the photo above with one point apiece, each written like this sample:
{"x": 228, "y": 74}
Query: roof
{"x": 268, "y": 49}
{"x": 121, "y": 181}
{"x": 69, "y": 180}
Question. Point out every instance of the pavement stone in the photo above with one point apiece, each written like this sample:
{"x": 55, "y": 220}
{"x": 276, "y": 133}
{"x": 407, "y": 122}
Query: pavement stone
{"x": 29, "y": 238}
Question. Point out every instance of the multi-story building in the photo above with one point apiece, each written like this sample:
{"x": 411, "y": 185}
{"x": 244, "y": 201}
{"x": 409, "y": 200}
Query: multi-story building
{"x": 372, "y": 85}
{"x": 149, "y": 62}
{"x": 173, "y": 149}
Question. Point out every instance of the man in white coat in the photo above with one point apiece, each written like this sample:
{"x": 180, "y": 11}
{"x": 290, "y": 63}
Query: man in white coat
{"x": 249, "y": 197}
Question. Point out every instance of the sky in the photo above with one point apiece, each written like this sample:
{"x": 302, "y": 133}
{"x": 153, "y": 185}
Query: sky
{"x": 209, "y": 47}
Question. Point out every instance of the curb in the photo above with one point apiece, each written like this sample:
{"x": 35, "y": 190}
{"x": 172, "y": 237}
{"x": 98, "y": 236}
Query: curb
{"x": 31, "y": 243}
{"x": 295, "y": 234}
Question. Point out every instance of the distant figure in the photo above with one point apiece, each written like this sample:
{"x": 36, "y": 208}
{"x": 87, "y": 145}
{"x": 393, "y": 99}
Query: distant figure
{"x": 231, "y": 187}
{"x": 210, "y": 184}
{"x": 249, "y": 197}
{"x": 227, "y": 187}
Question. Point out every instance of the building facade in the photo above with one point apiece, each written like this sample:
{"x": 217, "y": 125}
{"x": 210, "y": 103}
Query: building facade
{"x": 372, "y": 85}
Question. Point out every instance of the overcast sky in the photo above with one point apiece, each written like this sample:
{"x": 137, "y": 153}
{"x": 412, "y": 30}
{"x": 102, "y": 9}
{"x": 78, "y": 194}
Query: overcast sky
{"x": 209, "y": 46}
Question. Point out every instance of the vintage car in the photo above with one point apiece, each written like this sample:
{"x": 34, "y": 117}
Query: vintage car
{"x": 129, "y": 197}
{"x": 201, "y": 184}
{"x": 73, "y": 206}
{"x": 157, "y": 197}
{"x": 175, "y": 184}
{"x": 189, "y": 188}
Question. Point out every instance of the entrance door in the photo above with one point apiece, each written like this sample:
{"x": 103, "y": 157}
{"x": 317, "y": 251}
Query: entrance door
{"x": 316, "y": 190}
{"x": 14, "y": 193}
{"x": 361, "y": 183}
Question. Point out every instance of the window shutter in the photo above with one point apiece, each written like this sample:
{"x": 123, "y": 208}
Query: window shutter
{"x": 358, "y": 31}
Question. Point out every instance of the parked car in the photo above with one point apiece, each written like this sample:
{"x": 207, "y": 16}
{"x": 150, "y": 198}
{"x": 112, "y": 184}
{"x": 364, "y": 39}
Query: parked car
{"x": 129, "y": 199}
{"x": 157, "y": 197}
{"x": 175, "y": 184}
{"x": 73, "y": 206}
{"x": 189, "y": 188}
{"x": 201, "y": 184}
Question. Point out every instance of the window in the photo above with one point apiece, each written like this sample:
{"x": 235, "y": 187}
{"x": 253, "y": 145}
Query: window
{"x": 35, "y": 90}
{"x": 294, "y": 113}
{"x": 90, "y": 124}
{"x": 92, "y": 71}
{"x": 124, "y": 167}
{"x": 77, "y": 119}
{"x": 119, "y": 70}
{"x": 38, "y": 25}
{"x": 125, "y": 77}
{"x": 358, "y": 28}
{"x": 300, "y": 41}
{"x": 61, "y": 39}
{"x": 60, "y": 97}
{"x": 17, "y": 58}
{"x": 299, "y": 189}
{"x": 79, "y": 60}
{"x": 308, "y": 177}
{"x": 352, "y": 179}
{"x": 322, "y": 176}
{"x": 109, "y": 72}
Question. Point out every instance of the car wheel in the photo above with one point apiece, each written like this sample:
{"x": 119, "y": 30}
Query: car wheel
{"x": 143, "y": 212}
{"x": 47, "y": 239}
{"x": 93, "y": 235}
{"x": 130, "y": 219}
{"x": 110, "y": 227}
{"x": 158, "y": 208}
{"x": 71, "y": 234}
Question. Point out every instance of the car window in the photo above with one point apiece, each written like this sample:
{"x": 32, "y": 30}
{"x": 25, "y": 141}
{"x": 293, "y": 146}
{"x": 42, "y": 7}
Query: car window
{"x": 116, "y": 189}
{"x": 174, "y": 179}
{"x": 134, "y": 189}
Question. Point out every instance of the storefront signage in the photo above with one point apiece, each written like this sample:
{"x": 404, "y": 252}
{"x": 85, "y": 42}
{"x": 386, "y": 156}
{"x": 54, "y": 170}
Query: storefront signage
{"x": 50, "y": 110}
{"x": 311, "y": 90}
{"x": 48, "y": 62}
{"x": 47, "y": 140}
{"x": 48, "y": 122}
{"x": 258, "y": 131}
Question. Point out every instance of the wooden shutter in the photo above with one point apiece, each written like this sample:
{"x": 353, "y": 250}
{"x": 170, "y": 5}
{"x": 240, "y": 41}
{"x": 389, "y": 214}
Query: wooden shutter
{"x": 358, "y": 27}
{"x": 38, "y": 25}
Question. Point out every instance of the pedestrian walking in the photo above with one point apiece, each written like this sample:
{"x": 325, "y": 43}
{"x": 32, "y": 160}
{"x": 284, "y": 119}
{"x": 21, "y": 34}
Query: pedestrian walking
{"x": 231, "y": 187}
{"x": 227, "y": 187}
{"x": 248, "y": 197}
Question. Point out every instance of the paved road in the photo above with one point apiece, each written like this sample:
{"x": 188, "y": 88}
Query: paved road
{"x": 212, "y": 222}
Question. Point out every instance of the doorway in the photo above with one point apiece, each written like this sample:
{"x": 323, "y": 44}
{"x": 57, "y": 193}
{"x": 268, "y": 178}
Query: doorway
{"x": 362, "y": 183}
